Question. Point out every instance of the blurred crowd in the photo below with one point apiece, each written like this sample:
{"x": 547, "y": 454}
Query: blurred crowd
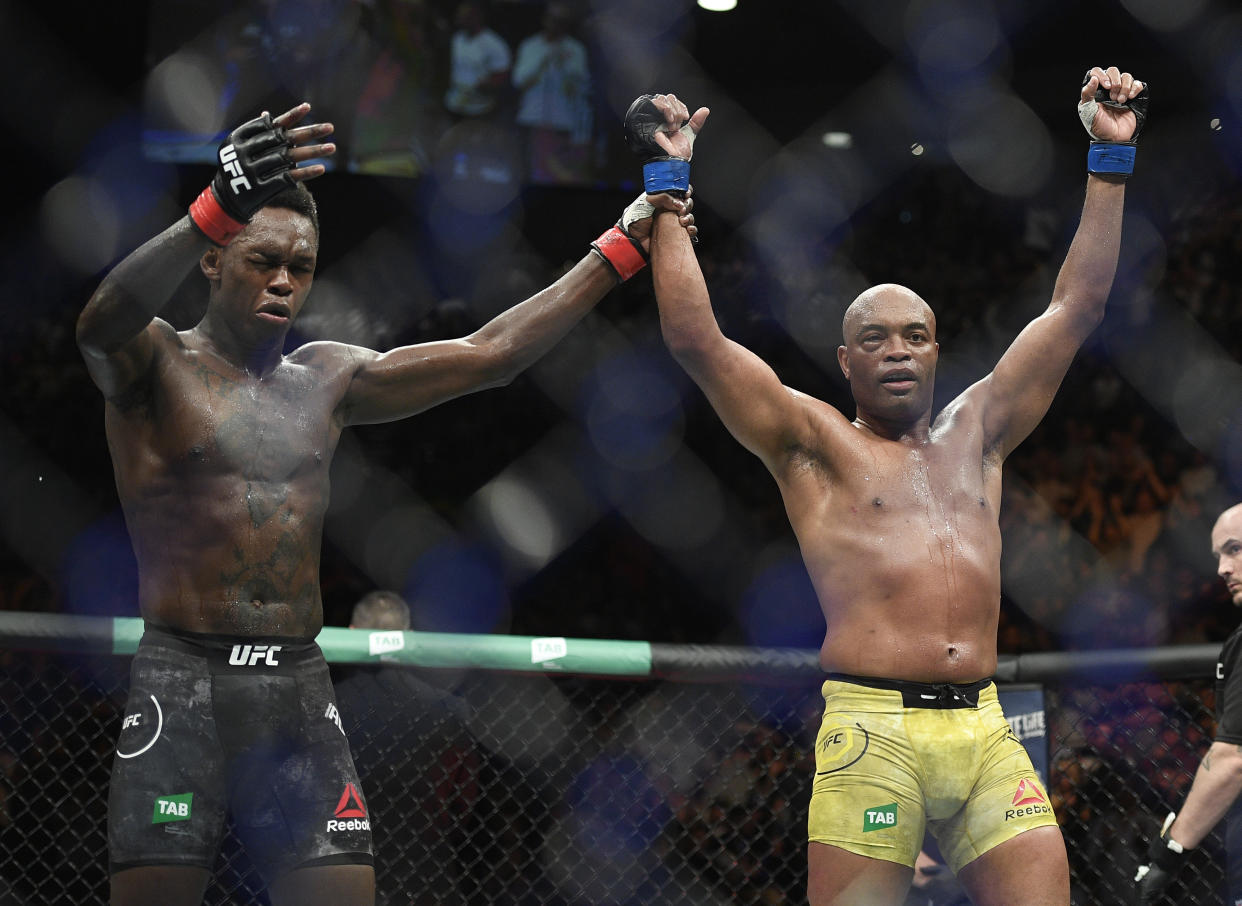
{"x": 1106, "y": 511}
{"x": 1106, "y": 508}
{"x": 1105, "y": 518}
{"x": 509, "y": 86}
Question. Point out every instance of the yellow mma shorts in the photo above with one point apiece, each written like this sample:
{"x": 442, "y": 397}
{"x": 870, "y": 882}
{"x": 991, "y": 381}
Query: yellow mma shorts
{"x": 896, "y": 758}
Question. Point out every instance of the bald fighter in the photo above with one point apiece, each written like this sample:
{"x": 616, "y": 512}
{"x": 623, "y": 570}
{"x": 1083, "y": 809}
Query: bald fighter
{"x": 897, "y": 520}
{"x": 1218, "y": 781}
{"x": 221, "y": 446}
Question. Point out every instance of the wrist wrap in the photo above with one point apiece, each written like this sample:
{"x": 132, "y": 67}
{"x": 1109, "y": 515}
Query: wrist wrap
{"x": 212, "y": 222}
{"x": 667, "y": 174}
{"x": 1112, "y": 158}
{"x": 620, "y": 252}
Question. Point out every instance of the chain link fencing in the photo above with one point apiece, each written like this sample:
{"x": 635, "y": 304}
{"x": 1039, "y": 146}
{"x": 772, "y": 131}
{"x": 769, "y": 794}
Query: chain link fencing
{"x": 487, "y": 787}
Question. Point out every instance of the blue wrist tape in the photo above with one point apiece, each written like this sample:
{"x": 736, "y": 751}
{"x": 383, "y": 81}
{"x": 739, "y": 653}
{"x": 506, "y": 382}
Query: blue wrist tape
{"x": 1116, "y": 158}
{"x": 669, "y": 174}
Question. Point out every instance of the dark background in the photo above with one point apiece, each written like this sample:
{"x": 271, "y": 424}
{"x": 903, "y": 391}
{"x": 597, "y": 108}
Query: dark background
{"x": 598, "y": 495}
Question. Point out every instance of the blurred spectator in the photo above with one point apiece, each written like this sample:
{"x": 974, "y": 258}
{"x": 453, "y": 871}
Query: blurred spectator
{"x": 479, "y": 61}
{"x": 380, "y": 609}
{"x": 553, "y": 77}
{"x": 395, "y": 121}
{"x": 412, "y": 750}
{"x": 478, "y": 158}
{"x": 737, "y": 828}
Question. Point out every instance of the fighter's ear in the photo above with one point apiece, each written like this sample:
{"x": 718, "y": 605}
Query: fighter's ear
{"x": 209, "y": 264}
{"x": 844, "y": 361}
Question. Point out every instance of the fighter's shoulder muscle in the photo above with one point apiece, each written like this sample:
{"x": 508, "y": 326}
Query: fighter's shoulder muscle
{"x": 964, "y": 414}
{"x": 330, "y": 357}
{"x": 823, "y": 434}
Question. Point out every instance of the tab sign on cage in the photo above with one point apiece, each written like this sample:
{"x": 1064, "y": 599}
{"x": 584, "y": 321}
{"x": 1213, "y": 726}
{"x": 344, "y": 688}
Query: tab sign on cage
{"x": 542, "y": 650}
{"x": 387, "y": 642}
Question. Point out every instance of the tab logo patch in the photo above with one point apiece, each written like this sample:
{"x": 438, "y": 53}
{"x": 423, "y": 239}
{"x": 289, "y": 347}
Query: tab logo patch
{"x": 880, "y": 818}
{"x": 172, "y": 808}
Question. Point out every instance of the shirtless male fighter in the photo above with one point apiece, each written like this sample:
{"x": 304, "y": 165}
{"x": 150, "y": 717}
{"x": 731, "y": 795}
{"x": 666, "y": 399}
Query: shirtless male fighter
{"x": 221, "y": 446}
{"x": 897, "y": 520}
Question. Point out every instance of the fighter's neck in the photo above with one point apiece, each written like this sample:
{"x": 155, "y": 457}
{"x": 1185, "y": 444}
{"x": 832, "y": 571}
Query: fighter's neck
{"x": 258, "y": 359}
{"x": 912, "y": 434}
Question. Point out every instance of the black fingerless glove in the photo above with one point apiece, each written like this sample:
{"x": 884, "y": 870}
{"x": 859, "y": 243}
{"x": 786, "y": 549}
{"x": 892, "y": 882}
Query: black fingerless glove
{"x": 1165, "y": 858}
{"x": 1113, "y": 158}
{"x": 661, "y": 173}
{"x": 254, "y": 166}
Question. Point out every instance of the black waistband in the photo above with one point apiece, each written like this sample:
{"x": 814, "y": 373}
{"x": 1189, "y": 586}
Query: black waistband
{"x": 229, "y": 653}
{"x": 922, "y": 695}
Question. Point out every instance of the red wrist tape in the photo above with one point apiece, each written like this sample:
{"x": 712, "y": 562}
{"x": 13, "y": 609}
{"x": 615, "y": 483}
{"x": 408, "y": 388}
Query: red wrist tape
{"x": 620, "y": 252}
{"x": 210, "y": 218}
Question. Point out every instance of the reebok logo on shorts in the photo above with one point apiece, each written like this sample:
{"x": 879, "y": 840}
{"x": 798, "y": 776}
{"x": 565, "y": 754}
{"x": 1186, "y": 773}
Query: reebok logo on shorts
{"x": 172, "y": 808}
{"x": 881, "y": 818}
{"x": 350, "y": 813}
{"x": 1028, "y": 800}
{"x": 1028, "y": 793}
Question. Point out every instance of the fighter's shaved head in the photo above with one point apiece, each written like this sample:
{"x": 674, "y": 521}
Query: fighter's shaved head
{"x": 871, "y": 302}
{"x": 1228, "y": 523}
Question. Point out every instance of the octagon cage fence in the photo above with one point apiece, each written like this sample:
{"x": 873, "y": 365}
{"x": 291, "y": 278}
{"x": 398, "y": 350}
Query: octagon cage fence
{"x": 517, "y": 770}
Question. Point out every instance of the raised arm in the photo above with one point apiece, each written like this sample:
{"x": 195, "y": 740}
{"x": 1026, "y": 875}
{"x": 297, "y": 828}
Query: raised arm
{"x": 759, "y": 411}
{"x": 1017, "y": 394}
{"x": 409, "y": 379}
{"x": 117, "y": 329}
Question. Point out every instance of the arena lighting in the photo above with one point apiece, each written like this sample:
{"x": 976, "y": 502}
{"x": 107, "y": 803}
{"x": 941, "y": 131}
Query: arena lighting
{"x": 838, "y": 140}
{"x": 718, "y": 6}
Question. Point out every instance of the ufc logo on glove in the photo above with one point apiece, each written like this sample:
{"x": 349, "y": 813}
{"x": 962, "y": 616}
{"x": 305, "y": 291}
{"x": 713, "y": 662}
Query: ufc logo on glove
{"x": 228, "y": 160}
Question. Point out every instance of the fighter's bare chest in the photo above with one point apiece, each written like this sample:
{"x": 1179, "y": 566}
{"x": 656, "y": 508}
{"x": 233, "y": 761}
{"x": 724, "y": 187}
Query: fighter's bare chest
{"x": 262, "y": 429}
{"x": 916, "y": 479}
{"x": 881, "y": 480}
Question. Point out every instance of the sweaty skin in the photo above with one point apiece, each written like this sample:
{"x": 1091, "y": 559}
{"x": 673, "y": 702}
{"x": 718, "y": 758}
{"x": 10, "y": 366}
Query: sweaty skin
{"x": 221, "y": 445}
{"x": 897, "y": 518}
{"x": 222, "y": 469}
{"x": 897, "y": 521}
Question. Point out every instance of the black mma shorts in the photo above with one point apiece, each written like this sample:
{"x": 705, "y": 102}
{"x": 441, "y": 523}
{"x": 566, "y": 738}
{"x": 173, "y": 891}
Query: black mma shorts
{"x": 247, "y": 727}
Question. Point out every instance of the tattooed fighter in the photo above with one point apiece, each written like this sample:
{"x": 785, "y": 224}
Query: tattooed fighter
{"x": 221, "y": 446}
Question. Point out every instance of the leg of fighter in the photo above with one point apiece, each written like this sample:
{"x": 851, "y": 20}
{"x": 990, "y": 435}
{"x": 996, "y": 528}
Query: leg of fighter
{"x": 1031, "y": 869}
{"x": 840, "y": 878}
{"x": 159, "y": 885}
{"x": 325, "y": 885}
